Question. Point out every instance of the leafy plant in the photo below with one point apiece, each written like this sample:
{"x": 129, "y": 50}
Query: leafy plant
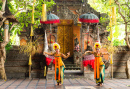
{"x": 118, "y": 30}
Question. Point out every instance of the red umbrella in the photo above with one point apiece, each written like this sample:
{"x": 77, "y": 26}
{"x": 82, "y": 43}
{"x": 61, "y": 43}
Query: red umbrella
{"x": 89, "y": 18}
{"x": 51, "y": 18}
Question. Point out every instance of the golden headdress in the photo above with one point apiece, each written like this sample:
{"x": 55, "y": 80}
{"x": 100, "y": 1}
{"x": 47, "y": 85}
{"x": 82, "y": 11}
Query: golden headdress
{"x": 56, "y": 46}
{"x": 97, "y": 45}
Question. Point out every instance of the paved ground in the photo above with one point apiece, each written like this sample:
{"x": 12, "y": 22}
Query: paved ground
{"x": 68, "y": 84}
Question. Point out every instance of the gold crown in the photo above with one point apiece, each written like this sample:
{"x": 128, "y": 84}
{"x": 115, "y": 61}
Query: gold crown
{"x": 56, "y": 46}
{"x": 97, "y": 45}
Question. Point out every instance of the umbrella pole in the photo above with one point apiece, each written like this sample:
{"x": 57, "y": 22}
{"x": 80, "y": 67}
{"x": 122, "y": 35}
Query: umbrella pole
{"x": 87, "y": 35}
{"x": 50, "y": 37}
{"x": 98, "y": 33}
{"x": 30, "y": 60}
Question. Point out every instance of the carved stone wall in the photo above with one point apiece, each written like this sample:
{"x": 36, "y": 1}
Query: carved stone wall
{"x": 16, "y": 64}
{"x": 65, "y": 13}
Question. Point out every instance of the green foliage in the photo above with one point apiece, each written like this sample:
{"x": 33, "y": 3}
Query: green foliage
{"x": 118, "y": 42}
{"x": 25, "y": 16}
{"x": 118, "y": 30}
{"x": 8, "y": 46}
{"x": 22, "y": 10}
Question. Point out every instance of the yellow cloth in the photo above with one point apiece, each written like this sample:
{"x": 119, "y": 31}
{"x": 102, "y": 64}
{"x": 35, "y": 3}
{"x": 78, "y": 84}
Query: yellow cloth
{"x": 58, "y": 64}
{"x": 97, "y": 64}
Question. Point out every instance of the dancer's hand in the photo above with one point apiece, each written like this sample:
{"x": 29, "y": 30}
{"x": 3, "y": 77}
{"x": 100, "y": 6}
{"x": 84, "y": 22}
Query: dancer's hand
{"x": 44, "y": 53}
{"x": 109, "y": 54}
{"x": 68, "y": 53}
{"x": 86, "y": 52}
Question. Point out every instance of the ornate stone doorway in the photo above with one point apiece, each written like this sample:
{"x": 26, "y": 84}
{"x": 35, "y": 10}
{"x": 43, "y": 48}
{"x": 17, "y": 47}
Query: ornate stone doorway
{"x": 65, "y": 36}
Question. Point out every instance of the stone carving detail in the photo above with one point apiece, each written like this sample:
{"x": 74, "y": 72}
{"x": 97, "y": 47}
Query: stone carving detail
{"x": 77, "y": 58}
{"x": 77, "y": 53}
{"x": 83, "y": 10}
{"x": 65, "y": 13}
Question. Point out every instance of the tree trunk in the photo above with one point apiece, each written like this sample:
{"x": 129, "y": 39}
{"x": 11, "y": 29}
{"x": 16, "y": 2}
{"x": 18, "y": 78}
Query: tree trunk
{"x": 3, "y": 5}
{"x": 2, "y": 49}
{"x": 2, "y": 60}
{"x": 127, "y": 36}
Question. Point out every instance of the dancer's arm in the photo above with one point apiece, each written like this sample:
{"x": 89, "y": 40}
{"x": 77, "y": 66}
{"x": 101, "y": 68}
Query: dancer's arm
{"x": 88, "y": 52}
{"x": 105, "y": 53}
{"x": 48, "y": 53}
{"x": 64, "y": 56}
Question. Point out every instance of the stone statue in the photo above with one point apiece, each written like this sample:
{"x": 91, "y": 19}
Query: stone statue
{"x": 77, "y": 53}
{"x": 77, "y": 47}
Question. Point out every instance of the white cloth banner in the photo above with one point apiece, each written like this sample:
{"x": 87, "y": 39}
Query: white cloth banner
{"x": 89, "y": 57}
{"x": 45, "y": 44}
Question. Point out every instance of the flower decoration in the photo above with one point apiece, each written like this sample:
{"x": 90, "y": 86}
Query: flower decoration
{"x": 51, "y": 41}
{"x": 87, "y": 42}
{"x": 56, "y": 46}
{"x": 97, "y": 45}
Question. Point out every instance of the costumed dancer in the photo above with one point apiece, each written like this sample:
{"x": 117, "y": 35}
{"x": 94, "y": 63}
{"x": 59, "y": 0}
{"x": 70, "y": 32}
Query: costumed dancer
{"x": 99, "y": 66}
{"x": 59, "y": 65}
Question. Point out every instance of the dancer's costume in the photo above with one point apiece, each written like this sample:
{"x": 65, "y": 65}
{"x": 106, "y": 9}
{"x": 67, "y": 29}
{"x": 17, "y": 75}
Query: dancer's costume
{"x": 99, "y": 66}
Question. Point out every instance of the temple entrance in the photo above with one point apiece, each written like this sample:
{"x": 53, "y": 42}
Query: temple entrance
{"x": 65, "y": 36}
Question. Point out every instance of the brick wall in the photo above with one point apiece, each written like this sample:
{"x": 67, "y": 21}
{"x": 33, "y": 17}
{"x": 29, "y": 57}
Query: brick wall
{"x": 119, "y": 63}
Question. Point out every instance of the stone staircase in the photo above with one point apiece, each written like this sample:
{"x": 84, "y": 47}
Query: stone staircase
{"x": 71, "y": 71}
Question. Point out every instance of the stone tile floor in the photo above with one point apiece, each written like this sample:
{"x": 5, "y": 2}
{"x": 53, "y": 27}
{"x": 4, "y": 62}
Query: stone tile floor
{"x": 68, "y": 84}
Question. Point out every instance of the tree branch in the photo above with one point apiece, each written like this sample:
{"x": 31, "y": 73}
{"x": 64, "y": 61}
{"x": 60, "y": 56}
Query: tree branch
{"x": 1, "y": 23}
{"x": 126, "y": 5}
{"x": 10, "y": 30}
{"x": 119, "y": 10}
{"x": 12, "y": 26}
{"x": 19, "y": 10}
{"x": 1, "y": 14}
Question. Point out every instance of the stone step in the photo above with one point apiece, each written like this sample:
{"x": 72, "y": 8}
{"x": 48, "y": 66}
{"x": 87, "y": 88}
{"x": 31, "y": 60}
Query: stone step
{"x": 17, "y": 75}
{"x": 73, "y": 76}
{"x": 72, "y": 65}
{"x": 16, "y": 69}
{"x": 37, "y": 74}
{"x": 16, "y": 63}
{"x": 72, "y": 68}
{"x": 15, "y": 55}
{"x": 67, "y": 62}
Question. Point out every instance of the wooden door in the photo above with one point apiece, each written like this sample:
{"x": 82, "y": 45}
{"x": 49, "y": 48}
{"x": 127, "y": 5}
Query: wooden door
{"x": 65, "y": 36}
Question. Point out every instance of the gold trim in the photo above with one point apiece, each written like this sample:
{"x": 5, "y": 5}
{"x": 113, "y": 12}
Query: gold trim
{"x": 6, "y": 22}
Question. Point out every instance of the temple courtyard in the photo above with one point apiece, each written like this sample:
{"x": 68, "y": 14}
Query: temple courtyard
{"x": 68, "y": 84}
